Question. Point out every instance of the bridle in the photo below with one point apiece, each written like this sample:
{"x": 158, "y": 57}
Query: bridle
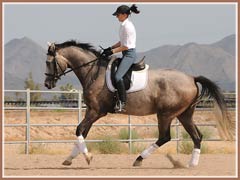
{"x": 55, "y": 75}
{"x": 56, "y": 64}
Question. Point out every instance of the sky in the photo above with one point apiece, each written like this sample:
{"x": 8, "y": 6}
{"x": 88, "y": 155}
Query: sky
{"x": 157, "y": 24}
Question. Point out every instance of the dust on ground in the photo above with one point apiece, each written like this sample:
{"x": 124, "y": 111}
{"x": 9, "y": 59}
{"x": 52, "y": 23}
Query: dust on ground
{"x": 118, "y": 165}
{"x": 17, "y": 164}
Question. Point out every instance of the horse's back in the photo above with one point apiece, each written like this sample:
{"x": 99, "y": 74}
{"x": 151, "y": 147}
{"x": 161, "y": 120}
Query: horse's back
{"x": 173, "y": 87}
{"x": 167, "y": 89}
{"x": 172, "y": 77}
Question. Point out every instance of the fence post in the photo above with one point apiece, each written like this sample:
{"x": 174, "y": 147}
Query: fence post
{"x": 28, "y": 122}
{"x": 79, "y": 106}
{"x": 129, "y": 134}
{"x": 177, "y": 134}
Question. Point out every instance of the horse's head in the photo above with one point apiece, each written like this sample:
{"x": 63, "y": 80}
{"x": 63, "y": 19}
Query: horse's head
{"x": 55, "y": 66}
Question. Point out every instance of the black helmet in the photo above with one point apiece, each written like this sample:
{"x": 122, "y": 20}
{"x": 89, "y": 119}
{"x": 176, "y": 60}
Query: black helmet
{"x": 123, "y": 9}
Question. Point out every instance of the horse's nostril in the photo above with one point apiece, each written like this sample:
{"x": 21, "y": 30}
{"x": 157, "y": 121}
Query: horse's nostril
{"x": 46, "y": 85}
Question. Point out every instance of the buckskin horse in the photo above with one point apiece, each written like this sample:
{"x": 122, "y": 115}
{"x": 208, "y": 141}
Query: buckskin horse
{"x": 169, "y": 94}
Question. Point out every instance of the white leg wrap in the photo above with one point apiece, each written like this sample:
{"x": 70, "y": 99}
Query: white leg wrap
{"x": 74, "y": 153}
{"x": 81, "y": 145}
{"x": 195, "y": 158}
{"x": 149, "y": 151}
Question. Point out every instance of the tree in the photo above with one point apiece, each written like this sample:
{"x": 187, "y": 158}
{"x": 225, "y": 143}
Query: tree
{"x": 29, "y": 84}
{"x": 19, "y": 96}
{"x": 68, "y": 87}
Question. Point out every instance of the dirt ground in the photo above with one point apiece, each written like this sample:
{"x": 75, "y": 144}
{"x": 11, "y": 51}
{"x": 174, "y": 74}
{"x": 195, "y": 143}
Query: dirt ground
{"x": 118, "y": 165}
{"x": 221, "y": 161}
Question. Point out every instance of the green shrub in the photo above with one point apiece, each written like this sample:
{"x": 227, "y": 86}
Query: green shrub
{"x": 185, "y": 135}
{"x": 42, "y": 148}
{"x": 206, "y": 132}
{"x": 124, "y": 134}
{"x": 37, "y": 149}
{"x": 107, "y": 146}
{"x": 137, "y": 148}
{"x": 186, "y": 147}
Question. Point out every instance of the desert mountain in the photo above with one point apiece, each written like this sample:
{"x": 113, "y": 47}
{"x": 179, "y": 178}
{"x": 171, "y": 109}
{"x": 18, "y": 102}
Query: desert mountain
{"x": 215, "y": 61}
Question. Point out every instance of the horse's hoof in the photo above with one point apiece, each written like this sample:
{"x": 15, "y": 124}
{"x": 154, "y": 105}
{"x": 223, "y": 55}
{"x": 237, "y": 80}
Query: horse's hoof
{"x": 67, "y": 163}
{"x": 137, "y": 163}
{"x": 190, "y": 165}
{"x": 88, "y": 157}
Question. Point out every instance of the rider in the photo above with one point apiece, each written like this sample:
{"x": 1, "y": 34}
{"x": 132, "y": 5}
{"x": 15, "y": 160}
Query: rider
{"x": 126, "y": 45}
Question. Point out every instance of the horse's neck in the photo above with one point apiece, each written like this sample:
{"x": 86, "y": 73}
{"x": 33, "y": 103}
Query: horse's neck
{"x": 86, "y": 74}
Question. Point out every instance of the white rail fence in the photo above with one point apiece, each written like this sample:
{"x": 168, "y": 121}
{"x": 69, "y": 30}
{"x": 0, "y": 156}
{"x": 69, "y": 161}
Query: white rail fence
{"x": 79, "y": 108}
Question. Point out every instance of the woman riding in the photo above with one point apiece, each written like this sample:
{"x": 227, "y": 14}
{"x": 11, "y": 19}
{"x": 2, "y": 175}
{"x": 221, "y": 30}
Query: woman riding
{"x": 126, "y": 45}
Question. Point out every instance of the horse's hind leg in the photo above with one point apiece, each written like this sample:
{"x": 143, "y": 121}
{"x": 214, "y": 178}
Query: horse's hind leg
{"x": 164, "y": 136}
{"x": 186, "y": 119}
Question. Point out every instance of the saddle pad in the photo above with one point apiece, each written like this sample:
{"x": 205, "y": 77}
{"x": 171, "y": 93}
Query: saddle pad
{"x": 139, "y": 79}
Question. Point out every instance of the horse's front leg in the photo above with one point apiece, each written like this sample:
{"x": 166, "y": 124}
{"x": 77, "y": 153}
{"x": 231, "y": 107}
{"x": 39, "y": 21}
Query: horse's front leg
{"x": 81, "y": 133}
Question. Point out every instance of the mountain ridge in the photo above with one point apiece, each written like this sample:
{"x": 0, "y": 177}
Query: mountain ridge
{"x": 216, "y": 61}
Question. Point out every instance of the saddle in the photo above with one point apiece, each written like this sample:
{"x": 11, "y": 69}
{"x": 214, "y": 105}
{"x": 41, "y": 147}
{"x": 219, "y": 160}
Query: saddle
{"x": 127, "y": 77}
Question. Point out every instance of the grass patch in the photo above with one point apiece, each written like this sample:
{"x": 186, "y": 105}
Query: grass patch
{"x": 206, "y": 132}
{"x": 186, "y": 147}
{"x": 124, "y": 134}
{"x": 137, "y": 148}
{"x": 38, "y": 149}
{"x": 108, "y": 146}
{"x": 59, "y": 110}
{"x": 41, "y": 149}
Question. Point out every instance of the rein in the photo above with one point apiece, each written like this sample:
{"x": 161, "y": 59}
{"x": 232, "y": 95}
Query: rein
{"x": 78, "y": 67}
{"x": 58, "y": 76}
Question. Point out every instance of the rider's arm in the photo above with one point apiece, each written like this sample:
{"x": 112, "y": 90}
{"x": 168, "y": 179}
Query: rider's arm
{"x": 118, "y": 44}
{"x": 119, "y": 49}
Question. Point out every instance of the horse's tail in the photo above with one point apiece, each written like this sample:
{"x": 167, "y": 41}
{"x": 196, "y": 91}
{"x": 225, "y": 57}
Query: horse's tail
{"x": 225, "y": 126}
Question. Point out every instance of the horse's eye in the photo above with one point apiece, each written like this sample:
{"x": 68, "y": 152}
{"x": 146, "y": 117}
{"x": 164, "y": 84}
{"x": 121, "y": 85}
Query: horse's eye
{"x": 48, "y": 63}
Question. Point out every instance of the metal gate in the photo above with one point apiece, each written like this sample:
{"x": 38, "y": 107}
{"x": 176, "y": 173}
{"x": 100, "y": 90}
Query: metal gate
{"x": 80, "y": 106}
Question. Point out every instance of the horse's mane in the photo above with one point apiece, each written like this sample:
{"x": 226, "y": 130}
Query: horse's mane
{"x": 84, "y": 46}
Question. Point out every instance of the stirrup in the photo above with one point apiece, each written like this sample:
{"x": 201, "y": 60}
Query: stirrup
{"x": 120, "y": 107}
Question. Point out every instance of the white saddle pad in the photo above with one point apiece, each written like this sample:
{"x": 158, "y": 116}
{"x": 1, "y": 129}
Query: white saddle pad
{"x": 139, "y": 79}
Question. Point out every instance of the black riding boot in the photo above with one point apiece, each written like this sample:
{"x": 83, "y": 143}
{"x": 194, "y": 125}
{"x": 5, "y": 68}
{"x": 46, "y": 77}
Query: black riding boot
{"x": 120, "y": 105}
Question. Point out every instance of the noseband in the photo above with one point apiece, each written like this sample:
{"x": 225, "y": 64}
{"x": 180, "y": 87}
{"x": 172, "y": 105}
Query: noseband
{"x": 55, "y": 74}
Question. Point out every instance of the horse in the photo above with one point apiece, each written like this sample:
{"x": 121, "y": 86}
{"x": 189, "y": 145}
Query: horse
{"x": 169, "y": 94}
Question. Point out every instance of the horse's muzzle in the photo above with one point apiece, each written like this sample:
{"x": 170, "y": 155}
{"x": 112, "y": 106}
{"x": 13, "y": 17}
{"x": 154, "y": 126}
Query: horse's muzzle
{"x": 47, "y": 85}
{"x": 50, "y": 84}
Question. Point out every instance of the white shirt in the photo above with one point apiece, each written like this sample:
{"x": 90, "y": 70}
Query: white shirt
{"x": 127, "y": 34}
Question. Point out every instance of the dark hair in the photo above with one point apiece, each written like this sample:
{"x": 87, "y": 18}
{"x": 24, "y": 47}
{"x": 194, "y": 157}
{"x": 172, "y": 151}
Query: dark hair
{"x": 134, "y": 9}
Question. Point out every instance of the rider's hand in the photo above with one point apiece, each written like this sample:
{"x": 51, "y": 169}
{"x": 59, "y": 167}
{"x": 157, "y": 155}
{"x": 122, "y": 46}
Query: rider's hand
{"x": 107, "y": 52}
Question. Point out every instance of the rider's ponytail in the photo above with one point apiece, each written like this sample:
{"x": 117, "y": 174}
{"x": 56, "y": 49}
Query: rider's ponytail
{"x": 134, "y": 9}
{"x": 124, "y": 9}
